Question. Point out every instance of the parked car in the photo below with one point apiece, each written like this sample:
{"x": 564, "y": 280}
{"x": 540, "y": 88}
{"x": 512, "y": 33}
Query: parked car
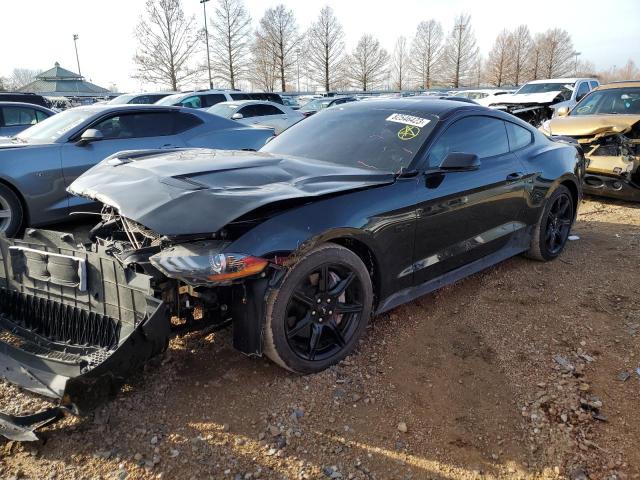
{"x": 483, "y": 96}
{"x": 344, "y": 215}
{"x": 607, "y": 124}
{"x": 144, "y": 98}
{"x": 537, "y": 101}
{"x": 24, "y": 98}
{"x": 314, "y": 106}
{"x": 291, "y": 101}
{"x": 16, "y": 116}
{"x": 209, "y": 98}
{"x": 33, "y": 186}
{"x": 255, "y": 112}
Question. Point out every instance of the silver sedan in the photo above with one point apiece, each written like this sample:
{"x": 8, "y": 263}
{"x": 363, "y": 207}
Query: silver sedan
{"x": 38, "y": 164}
{"x": 258, "y": 113}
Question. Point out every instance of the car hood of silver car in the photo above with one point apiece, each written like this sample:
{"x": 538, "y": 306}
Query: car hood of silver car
{"x": 192, "y": 191}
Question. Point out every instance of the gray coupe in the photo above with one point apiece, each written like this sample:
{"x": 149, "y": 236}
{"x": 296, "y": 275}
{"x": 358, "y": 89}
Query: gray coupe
{"x": 38, "y": 164}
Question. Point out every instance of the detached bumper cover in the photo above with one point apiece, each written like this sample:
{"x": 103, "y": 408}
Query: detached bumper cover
{"x": 73, "y": 324}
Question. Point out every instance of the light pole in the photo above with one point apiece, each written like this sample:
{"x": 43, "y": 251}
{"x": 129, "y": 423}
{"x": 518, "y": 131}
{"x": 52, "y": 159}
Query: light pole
{"x": 206, "y": 37}
{"x": 75, "y": 43}
{"x": 575, "y": 67}
{"x": 298, "y": 62}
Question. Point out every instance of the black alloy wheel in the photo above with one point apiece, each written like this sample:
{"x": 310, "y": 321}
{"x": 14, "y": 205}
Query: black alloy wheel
{"x": 323, "y": 312}
{"x": 558, "y": 224}
{"x": 320, "y": 310}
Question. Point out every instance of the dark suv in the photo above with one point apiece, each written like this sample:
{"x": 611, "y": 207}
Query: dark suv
{"x": 24, "y": 98}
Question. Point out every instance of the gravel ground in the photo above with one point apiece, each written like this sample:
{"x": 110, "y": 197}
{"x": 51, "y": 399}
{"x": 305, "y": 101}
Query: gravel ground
{"x": 527, "y": 370}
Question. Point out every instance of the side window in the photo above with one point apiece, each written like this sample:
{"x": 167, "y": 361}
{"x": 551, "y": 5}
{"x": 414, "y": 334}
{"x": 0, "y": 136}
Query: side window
{"x": 240, "y": 96}
{"x": 184, "y": 121}
{"x": 248, "y": 111}
{"x": 211, "y": 100}
{"x": 593, "y": 84}
{"x": 136, "y": 125}
{"x": 191, "y": 102}
{"x": 519, "y": 137}
{"x": 263, "y": 110}
{"x": 484, "y": 136}
{"x": 41, "y": 115}
{"x": 583, "y": 89}
{"x": 19, "y": 116}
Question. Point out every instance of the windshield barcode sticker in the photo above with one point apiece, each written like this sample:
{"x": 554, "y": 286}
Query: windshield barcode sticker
{"x": 408, "y": 120}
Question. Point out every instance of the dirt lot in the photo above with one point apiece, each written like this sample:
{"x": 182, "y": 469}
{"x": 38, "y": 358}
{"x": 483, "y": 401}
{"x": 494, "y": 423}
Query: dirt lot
{"x": 516, "y": 372}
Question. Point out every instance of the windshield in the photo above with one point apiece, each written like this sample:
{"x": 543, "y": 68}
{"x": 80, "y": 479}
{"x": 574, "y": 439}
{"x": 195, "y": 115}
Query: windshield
{"x": 171, "y": 99}
{"x": 54, "y": 127}
{"x": 358, "y": 136}
{"x": 546, "y": 87}
{"x": 611, "y": 101}
{"x": 316, "y": 105}
{"x": 223, "y": 109}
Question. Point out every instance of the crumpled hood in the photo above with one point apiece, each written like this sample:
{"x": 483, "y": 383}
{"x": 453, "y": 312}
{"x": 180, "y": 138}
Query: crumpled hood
{"x": 582, "y": 125}
{"x": 191, "y": 191}
{"x": 525, "y": 98}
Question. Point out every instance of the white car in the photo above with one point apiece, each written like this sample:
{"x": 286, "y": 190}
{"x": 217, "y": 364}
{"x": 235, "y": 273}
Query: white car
{"x": 483, "y": 97}
{"x": 539, "y": 100}
{"x": 258, "y": 113}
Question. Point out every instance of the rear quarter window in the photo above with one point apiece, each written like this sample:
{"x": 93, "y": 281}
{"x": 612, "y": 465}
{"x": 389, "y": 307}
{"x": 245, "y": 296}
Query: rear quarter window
{"x": 519, "y": 137}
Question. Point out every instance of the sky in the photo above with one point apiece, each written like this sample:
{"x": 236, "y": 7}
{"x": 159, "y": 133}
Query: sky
{"x": 37, "y": 33}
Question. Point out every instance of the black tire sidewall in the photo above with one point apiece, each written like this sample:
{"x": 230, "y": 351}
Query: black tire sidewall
{"x": 328, "y": 253}
{"x": 561, "y": 190}
{"x": 15, "y": 206}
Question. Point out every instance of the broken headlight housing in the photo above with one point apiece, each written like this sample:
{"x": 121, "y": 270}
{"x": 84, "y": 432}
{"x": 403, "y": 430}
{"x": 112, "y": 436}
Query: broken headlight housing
{"x": 206, "y": 267}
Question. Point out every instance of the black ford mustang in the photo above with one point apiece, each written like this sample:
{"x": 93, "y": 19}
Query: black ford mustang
{"x": 350, "y": 213}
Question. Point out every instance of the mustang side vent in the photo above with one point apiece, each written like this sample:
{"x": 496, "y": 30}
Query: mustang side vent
{"x": 58, "y": 322}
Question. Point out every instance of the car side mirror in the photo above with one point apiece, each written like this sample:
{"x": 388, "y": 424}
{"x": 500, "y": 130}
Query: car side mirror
{"x": 460, "y": 162}
{"x": 563, "y": 111}
{"x": 237, "y": 116}
{"x": 90, "y": 135}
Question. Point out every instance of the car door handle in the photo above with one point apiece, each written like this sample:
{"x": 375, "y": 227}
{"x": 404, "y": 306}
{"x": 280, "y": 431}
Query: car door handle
{"x": 515, "y": 176}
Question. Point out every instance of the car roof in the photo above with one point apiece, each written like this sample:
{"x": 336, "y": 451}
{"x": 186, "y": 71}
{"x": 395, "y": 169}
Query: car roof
{"x": 105, "y": 107}
{"x": 245, "y": 102}
{"x": 434, "y": 106}
{"x": 561, "y": 80}
{"x": 620, "y": 84}
{"x": 26, "y": 105}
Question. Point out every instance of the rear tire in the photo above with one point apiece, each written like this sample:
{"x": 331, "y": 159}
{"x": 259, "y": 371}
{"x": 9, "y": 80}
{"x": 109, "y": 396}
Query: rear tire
{"x": 553, "y": 227}
{"x": 11, "y": 212}
{"x": 320, "y": 311}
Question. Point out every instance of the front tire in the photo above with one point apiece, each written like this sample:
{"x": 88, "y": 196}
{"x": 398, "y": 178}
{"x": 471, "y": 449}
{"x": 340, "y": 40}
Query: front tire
{"x": 320, "y": 311}
{"x": 11, "y": 213}
{"x": 553, "y": 227}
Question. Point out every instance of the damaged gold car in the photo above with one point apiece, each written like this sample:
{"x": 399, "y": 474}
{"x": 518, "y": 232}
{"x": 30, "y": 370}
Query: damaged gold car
{"x": 606, "y": 123}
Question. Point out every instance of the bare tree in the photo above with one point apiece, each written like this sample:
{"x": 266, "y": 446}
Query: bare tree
{"x": 500, "y": 59}
{"x": 264, "y": 72}
{"x": 627, "y": 72}
{"x": 521, "y": 51}
{"x": 535, "y": 58}
{"x": 368, "y": 64}
{"x": 460, "y": 52}
{"x": 426, "y": 52}
{"x": 166, "y": 42}
{"x": 557, "y": 53}
{"x": 325, "y": 48}
{"x": 4, "y": 84}
{"x": 478, "y": 71}
{"x": 279, "y": 32}
{"x": 400, "y": 64}
{"x": 21, "y": 77}
{"x": 231, "y": 27}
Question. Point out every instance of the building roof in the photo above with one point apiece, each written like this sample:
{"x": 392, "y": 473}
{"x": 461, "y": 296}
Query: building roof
{"x": 60, "y": 82}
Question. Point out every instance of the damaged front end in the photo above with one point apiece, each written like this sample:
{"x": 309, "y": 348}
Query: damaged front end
{"x": 73, "y": 324}
{"x": 612, "y": 149}
{"x": 533, "y": 113}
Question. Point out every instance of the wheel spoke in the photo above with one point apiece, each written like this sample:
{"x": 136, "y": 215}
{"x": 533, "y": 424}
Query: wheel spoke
{"x": 342, "y": 285}
{"x": 565, "y": 222}
{"x": 348, "y": 308}
{"x": 302, "y": 324}
{"x": 303, "y": 298}
{"x": 5, "y": 213}
{"x": 323, "y": 280}
{"x": 316, "y": 333}
{"x": 337, "y": 334}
